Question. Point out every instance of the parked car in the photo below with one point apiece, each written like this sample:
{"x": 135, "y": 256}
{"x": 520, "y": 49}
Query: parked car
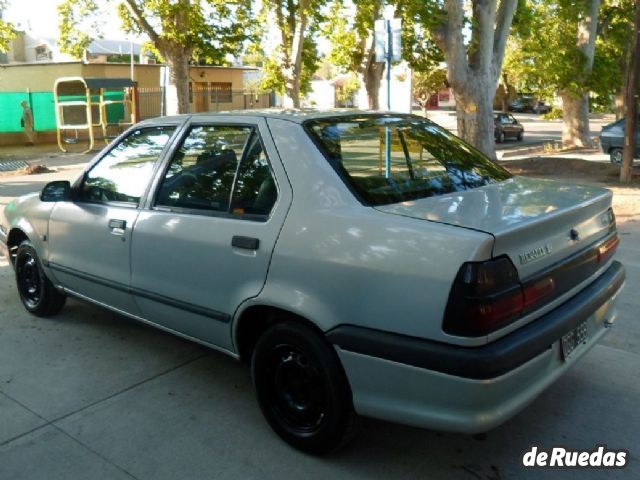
{"x": 612, "y": 141}
{"x": 529, "y": 104}
{"x": 506, "y": 126}
{"x": 362, "y": 263}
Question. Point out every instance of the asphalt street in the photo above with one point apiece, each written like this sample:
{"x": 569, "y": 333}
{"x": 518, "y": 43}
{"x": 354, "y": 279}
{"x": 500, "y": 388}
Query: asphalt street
{"x": 537, "y": 131}
{"x": 92, "y": 395}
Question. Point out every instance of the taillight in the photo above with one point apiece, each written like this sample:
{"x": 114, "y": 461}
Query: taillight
{"x": 487, "y": 296}
{"x": 607, "y": 249}
{"x": 484, "y": 297}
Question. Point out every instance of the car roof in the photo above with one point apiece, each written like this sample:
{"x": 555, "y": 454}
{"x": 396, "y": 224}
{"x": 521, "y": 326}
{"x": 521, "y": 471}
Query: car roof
{"x": 292, "y": 115}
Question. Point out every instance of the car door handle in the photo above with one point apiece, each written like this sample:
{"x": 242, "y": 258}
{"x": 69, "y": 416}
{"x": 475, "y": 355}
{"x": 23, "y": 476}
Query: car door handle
{"x": 117, "y": 227}
{"x": 247, "y": 243}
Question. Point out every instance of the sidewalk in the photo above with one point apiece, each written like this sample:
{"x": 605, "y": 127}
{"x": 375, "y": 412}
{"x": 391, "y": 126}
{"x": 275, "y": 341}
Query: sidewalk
{"x": 48, "y": 155}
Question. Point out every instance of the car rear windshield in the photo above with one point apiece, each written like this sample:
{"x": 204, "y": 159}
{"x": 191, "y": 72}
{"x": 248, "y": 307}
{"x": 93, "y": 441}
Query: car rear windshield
{"x": 424, "y": 159}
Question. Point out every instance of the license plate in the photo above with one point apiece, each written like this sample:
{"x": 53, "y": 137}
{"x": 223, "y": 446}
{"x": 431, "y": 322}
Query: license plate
{"x": 572, "y": 341}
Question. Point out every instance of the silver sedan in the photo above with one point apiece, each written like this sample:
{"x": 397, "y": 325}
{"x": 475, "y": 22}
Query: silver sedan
{"x": 362, "y": 263}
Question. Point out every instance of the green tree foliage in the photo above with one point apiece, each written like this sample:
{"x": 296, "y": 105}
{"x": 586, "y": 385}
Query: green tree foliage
{"x": 346, "y": 87}
{"x": 427, "y": 83}
{"x": 7, "y": 33}
{"x": 180, "y": 31}
{"x": 547, "y": 55}
{"x": 613, "y": 53}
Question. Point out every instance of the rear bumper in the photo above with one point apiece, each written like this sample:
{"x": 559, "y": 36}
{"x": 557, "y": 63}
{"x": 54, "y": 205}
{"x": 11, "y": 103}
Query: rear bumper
{"x": 469, "y": 389}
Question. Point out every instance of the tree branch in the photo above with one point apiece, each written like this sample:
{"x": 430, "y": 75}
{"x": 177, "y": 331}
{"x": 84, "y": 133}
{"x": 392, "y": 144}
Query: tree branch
{"x": 453, "y": 42}
{"x": 482, "y": 34}
{"x": 138, "y": 15}
{"x": 506, "y": 10}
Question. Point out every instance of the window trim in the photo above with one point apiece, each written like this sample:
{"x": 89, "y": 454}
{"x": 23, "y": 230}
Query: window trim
{"x": 79, "y": 183}
{"x": 177, "y": 145}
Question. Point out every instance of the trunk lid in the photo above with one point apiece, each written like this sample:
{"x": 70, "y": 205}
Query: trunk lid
{"x": 537, "y": 223}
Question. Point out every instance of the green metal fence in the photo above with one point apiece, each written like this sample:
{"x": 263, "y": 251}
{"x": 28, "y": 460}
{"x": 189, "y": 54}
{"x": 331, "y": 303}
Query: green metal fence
{"x": 43, "y": 108}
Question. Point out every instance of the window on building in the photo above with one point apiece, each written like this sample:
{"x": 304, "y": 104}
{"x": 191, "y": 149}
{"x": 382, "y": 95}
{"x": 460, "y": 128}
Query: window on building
{"x": 221, "y": 92}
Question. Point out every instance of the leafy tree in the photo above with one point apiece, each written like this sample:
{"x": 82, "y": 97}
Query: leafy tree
{"x": 289, "y": 68}
{"x": 353, "y": 44}
{"x": 568, "y": 29}
{"x": 7, "y": 33}
{"x": 426, "y": 84}
{"x": 179, "y": 30}
{"x": 613, "y": 53}
{"x": 473, "y": 64}
{"x": 345, "y": 88}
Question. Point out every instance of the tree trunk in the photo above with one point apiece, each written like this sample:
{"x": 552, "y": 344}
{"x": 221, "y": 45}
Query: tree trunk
{"x": 292, "y": 90}
{"x": 575, "y": 114}
{"x": 474, "y": 110}
{"x": 177, "y": 95}
{"x": 575, "y": 105}
{"x": 630, "y": 128}
{"x": 372, "y": 78}
{"x": 474, "y": 67}
{"x": 619, "y": 107}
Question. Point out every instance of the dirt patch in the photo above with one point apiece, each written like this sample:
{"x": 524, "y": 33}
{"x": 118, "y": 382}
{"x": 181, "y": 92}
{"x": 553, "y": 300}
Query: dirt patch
{"x": 30, "y": 170}
{"x": 626, "y": 198}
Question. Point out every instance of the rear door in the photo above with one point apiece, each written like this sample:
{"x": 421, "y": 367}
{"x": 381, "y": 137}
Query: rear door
{"x": 90, "y": 237}
{"x": 204, "y": 243}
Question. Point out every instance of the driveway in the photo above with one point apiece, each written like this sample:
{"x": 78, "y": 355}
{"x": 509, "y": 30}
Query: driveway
{"x": 92, "y": 395}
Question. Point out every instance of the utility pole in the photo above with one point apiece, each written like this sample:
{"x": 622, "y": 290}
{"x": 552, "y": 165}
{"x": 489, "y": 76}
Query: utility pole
{"x": 631, "y": 121}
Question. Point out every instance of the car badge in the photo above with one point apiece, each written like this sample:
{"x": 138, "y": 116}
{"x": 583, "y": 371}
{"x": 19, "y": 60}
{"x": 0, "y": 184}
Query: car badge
{"x": 535, "y": 254}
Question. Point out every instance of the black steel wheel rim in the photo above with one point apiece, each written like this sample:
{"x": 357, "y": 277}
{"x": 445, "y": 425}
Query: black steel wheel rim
{"x": 297, "y": 390}
{"x": 29, "y": 280}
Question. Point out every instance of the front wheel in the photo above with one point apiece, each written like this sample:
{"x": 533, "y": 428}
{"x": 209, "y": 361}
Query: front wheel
{"x": 520, "y": 136}
{"x": 37, "y": 293}
{"x": 615, "y": 155}
{"x": 302, "y": 389}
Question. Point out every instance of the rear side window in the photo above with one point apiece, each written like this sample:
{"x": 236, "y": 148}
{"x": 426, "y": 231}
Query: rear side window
{"x": 389, "y": 159}
{"x": 255, "y": 190}
{"x": 123, "y": 174}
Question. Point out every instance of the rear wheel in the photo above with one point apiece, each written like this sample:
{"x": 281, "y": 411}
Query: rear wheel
{"x": 37, "y": 293}
{"x": 302, "y": 389}
{"x": 520, "y": 136}
{"x": 615, "y": 155}
{"x": 500, "y": 137}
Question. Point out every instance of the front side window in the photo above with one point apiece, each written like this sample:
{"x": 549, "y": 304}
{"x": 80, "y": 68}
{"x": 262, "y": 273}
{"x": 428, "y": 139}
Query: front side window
{"x": 424, "y": 159}
{"x": 123, "y": 174}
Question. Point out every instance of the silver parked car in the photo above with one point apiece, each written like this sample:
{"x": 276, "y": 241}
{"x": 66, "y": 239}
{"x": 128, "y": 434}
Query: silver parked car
{"x": 363, "y": 263}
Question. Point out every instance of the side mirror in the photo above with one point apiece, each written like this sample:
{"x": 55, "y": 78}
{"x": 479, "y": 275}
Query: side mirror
{"x": 58, "y": 191}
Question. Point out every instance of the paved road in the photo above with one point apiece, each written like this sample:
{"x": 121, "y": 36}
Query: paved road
{"x": 536, "y": 130}
{"x": 92, "y": 395}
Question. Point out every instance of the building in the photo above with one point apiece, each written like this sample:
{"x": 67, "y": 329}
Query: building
{"x": 27, "y": 47}
{"x": 210, "y": 89}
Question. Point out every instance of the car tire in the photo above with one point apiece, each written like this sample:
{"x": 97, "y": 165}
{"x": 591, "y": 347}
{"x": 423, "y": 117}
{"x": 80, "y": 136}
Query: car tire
{"x": 520, "y": 136}
{"x": 37, "y": 293}
{"x": 302, "y": 389}
{"x": 500, "y": 137}
{"x": 615, "y": 156}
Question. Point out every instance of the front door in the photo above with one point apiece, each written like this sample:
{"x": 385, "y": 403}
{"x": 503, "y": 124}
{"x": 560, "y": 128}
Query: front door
{"x": 90, "y": 237}
{"x": 204, "y": 245}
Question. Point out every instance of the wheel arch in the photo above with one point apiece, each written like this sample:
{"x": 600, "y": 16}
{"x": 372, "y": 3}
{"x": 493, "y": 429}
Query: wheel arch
{"x": 14, "y": 239}
{"x": 256, "y": 319}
